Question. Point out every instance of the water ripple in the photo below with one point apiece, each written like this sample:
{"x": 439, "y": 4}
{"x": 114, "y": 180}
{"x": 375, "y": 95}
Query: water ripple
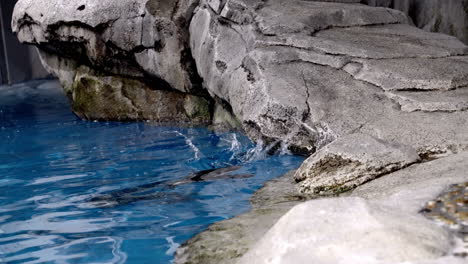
{"x": 98, "y": 192}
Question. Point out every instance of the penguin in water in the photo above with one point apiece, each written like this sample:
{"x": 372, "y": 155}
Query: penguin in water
{"x": 213, "y": 174}
{"x": 131, "y": 195}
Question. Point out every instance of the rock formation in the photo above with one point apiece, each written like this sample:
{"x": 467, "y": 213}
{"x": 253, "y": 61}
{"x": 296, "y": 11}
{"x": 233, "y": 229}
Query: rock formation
{"x": 356, "y": 228}
{"x": 144, "y": 41}
{"x": 311, "y": 72}
{"x": 357, "y": 86}
{"x": 449, "y": 17}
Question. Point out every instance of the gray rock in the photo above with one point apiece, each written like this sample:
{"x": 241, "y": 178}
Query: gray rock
{"x": 64, "y": 69}
{"x": 228, "y": 240}
{"x": 306, "y": 17}
{"x": 351, "y": 161}
{"x": 383, "y": 3}
{"x": 308, "y": 72}
{"x": 449, "y": 17}
{"x": 392, "y": 201}
{"x": 411, "y": 188}
{"x": 132, "y": 38}
{"x": 387, "y": 42}
{"x": 414, "y": 74}
{"x": 432, "y": 101}
{"x": 349, "y": 230}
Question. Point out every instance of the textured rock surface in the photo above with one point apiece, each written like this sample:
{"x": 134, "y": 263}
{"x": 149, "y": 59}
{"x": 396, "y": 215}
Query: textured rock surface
{"x": 400, "y": 194}
{"x": 367, "y": 233}
{"x": 445, "y": 16}
{"x": 135, "y": 54}
{"x": 351, "y": 161}
{"x": 226, "y": 241}
{"x": 300, "y": 72}
{"x": 359, "y": 85}
{"x": 133, "y": 38}
{"x": 296, "y": 71}
{"x": 310, "y": 72}
{"x": 97, "y": 97}
{"x": 449, "y": 17}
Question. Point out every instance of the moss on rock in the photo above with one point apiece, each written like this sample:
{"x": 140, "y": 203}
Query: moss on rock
{"x": 99, "y": 97}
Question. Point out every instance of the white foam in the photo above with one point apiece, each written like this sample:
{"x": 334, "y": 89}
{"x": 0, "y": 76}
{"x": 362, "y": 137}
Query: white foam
{"x": 173, "y": 246}
{"x": 189, "y": 142}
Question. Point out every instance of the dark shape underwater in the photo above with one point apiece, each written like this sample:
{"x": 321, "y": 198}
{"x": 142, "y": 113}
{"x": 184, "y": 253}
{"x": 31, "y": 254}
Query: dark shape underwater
{"x": 135, "y": 194}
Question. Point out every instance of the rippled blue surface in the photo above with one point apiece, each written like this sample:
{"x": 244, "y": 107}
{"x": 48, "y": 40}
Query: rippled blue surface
{"x": 52, "y": 164}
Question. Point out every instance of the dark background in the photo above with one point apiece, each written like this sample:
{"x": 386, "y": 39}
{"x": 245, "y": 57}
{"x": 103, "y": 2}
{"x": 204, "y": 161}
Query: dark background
{"x": 18, "y": 62}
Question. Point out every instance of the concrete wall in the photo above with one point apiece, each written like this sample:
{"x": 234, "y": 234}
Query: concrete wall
{"x": 18, "y": 62}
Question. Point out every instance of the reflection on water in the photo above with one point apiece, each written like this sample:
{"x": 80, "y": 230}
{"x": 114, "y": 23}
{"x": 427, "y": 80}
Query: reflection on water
{"x": 52, "y": 166}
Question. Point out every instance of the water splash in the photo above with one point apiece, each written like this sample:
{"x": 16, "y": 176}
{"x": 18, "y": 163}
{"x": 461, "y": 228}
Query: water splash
{"x": 259, "y": 152}
{"x": 173, "y": 246}
{"x": 188, "y": 141}
{"x": 235, "y": 144}
{"x": 284, "y": 149}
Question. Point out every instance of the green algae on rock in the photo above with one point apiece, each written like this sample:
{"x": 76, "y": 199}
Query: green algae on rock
{"x": 97, "y": 97}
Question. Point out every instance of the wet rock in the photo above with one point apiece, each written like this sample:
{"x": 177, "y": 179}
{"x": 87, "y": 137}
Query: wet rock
{"x": 96, "y": 97}
{"x": 63, "y": 68}
{"x": 223, "y": 119}
{"x": 351, "y": 161}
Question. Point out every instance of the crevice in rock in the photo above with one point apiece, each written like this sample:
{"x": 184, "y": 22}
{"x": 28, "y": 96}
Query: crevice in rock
{"x": 175, "y": 9}
{"x": 314, "y": 32}
{"x": 305, "y": 115}
{"x": 321, "y": 52}
{"x": 124, "y": 94}
{"x": 98, "y": 29}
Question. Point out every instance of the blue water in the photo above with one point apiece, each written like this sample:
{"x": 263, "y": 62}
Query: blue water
{"x": 52, "y": 164}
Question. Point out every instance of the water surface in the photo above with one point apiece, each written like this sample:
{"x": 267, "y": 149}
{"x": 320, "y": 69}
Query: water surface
{"x": 52, "y": 165}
